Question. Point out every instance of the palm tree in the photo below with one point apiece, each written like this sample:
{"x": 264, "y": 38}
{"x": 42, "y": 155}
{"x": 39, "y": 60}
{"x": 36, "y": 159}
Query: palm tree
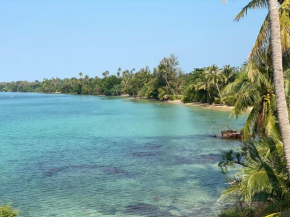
{"x": 283, "y": 118}
{"x": 87, "y": 78}
{"x": 258, "y": 94}
{"x": 269, "y": 39}
{"x": 263, "y": 176}
{"x": 119, "y": 72}
{"x": 214, "y": 77}
{"x": 80, "y": 74}
{"x": 229, "y": 73}
{"x": 106, "y": 74}
{"x": 201, "y": 83}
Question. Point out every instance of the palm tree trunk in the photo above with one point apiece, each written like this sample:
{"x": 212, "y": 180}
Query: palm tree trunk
{"x": 116, "y": 90}
{"x": 221, "y": 98}
{"x": 279, "y": 79}
{"x": 169, "y": 85}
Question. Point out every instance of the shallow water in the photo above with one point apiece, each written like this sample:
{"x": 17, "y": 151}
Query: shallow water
{"x": 64, "y": 155}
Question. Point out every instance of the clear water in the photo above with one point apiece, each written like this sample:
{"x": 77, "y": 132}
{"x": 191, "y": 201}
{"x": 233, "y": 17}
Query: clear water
{"x": 64, "y": 155}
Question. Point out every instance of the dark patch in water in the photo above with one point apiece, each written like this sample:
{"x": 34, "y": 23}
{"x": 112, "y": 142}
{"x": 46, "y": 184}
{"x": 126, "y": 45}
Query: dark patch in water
{"x": 145, "y": 154}
{"x": 106, "y": 169}
{"x": 114, "y": 171}
{"x": 108, "y": 211}
{"x": 185, "y": 160}
{"x": 150, "y": 147}
{"x": 210, "y": 158}
{"x": 201, "y": 159}
{"x": 145, "y": 209}
{"x": 54, "y": 171}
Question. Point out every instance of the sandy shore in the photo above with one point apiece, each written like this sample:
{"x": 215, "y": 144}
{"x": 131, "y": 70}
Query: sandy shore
{"x": 203, "y": 105}
{"x": 198, "y": 104}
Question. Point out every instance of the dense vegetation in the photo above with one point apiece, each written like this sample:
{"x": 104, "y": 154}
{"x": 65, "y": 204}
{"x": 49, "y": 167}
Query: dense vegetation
{"x": 262, "y": 182}
{"x": 166, "y": 82}
{"x": 7, "y": 211}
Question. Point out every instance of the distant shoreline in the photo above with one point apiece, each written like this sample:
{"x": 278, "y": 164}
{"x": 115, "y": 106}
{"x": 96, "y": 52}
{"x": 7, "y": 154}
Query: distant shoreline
{"x": 175, "y": 102}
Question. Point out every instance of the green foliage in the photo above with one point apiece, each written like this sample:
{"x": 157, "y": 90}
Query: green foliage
{"x": 262, "y": 177}
{"x": 205, "y": 85}
{"x": 111, "y": 86}
{"x": 7, "y": 211}
{"x": 257, "y": 94}
{"x": 166, "y": 82}
{"x": 254, "y": 87}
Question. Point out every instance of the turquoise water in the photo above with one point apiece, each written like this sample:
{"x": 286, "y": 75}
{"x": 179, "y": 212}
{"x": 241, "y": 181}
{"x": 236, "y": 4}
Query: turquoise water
{"x": 64, "y": 155}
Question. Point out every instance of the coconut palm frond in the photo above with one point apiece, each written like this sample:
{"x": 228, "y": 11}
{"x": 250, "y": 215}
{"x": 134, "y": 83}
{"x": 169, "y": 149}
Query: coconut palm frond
{"x": 262, "y": 47}
{"x": 247, "y": 96}
{"x": 284, "y": 11}
{"x": 262, "y": 42}
{"x": 264, "y": 176}
{"x": 261, "y": 51}
{"x": 233, "y": 192}
{"x": 256, "y": 183}
{"x": 263, "y": 80}
{"x": 287, "y": 87}
{"x": 234, "y": 86}
{"x": 248, "y": 126}
{"x": 271, "y": 125}
{"x": 254, "y": 4}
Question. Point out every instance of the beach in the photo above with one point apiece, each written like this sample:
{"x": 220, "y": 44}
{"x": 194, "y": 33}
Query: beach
{"x": 204, "y": 105}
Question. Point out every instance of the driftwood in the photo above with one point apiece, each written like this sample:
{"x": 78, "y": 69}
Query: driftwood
{"x": 232, "y": 134}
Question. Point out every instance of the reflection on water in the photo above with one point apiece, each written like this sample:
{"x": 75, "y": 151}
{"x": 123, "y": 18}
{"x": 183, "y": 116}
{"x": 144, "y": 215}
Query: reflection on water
{"x": 65, "y": 155}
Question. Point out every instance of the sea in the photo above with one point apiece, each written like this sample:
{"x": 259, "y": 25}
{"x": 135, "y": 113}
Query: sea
{"x": 76, "y": 155}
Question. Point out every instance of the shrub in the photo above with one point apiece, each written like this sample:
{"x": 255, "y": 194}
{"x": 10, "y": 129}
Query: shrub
{"x": 7, "y": 211}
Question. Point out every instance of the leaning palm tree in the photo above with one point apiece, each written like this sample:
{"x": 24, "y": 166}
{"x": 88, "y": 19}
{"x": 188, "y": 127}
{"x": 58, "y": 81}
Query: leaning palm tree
{"x": 271, "y": 41}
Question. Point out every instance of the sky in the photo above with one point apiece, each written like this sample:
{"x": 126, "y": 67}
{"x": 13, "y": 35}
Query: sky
{"x": 60, "y": 38}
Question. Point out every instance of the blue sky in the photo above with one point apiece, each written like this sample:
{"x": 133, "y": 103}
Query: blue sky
{"x": 59, "y": 38}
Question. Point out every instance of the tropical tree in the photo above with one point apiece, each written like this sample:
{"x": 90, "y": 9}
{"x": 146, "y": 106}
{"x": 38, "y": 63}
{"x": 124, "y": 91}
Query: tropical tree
{"x": 262, "y": 180}
{"x": 215, "y": 77}
{"x": 8, "y": 211}
{"x": 166, "y": 81}
{"x": 167, "y": 78}
{"x": 257, "y": 94}
{"x": 282, "y": 110}
{"x": 198, "y": 88}
{"x": 119, "y": 72}
{"x": 80, "y": 74}
{"x": 137, "y": 81}
{"x": 229, "y": 74}
{"x": 269, "y": 40}
{"x": 106, "y": 74}
{"x": 110, "y": 86}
